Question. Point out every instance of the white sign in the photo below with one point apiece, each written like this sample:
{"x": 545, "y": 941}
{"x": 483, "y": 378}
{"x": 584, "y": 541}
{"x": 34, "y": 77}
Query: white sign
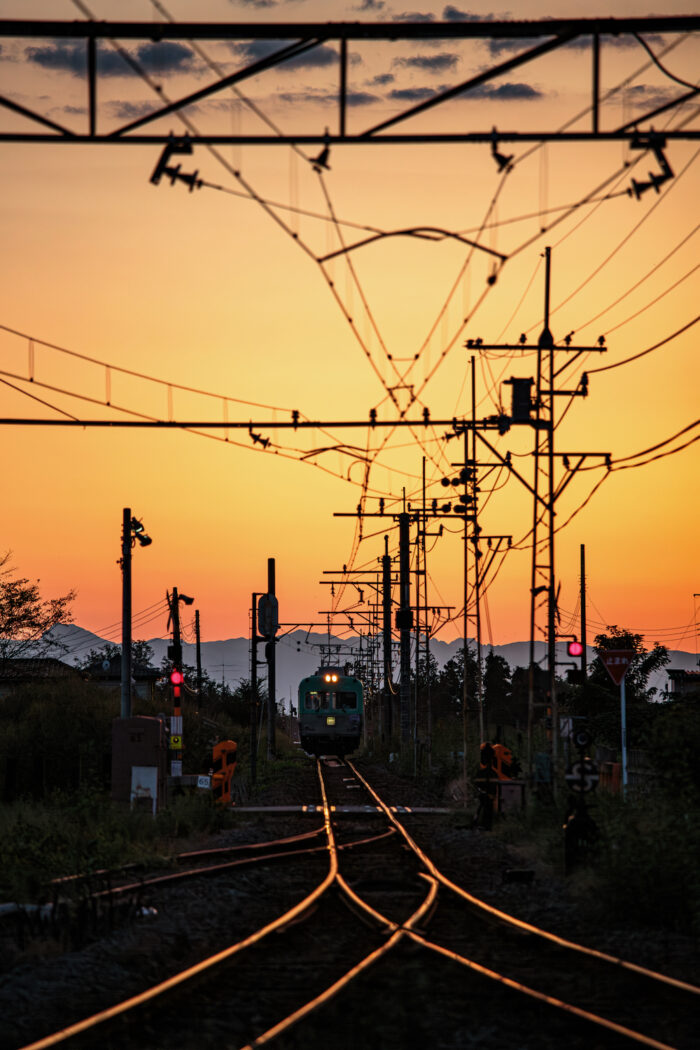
{"x": 582, "y": 776}
{"x": 176, "y": 768}
{"x": 204, "y": 783}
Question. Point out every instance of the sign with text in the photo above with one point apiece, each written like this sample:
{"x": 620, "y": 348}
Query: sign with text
{"x": 616, "y": 662}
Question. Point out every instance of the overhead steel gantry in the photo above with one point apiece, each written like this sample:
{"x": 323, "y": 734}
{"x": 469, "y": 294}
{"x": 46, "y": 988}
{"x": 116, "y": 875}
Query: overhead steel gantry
{"x": 298, "y": 38}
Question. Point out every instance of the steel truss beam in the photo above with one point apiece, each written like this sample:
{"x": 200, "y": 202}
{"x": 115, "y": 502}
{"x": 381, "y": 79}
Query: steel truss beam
{"x": 538, "y": 38}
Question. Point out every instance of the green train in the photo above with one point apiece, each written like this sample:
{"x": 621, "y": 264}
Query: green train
{"x": 330, "y": 712}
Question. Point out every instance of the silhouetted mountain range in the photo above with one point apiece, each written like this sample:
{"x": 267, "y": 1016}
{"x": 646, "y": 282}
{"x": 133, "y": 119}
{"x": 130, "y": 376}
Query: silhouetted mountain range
{"x": 300, "y": 653}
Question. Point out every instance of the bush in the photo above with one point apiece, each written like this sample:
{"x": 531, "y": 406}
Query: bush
{"x": 645, "y": 868}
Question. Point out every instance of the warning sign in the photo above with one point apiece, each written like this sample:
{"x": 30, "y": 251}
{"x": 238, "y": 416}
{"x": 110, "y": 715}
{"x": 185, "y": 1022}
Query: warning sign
{"x": 176, "y": 743}
{"x": 616, "y": 661}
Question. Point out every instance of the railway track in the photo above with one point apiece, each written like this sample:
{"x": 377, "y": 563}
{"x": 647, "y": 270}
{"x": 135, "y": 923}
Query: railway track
{"x": 414, "y": 958}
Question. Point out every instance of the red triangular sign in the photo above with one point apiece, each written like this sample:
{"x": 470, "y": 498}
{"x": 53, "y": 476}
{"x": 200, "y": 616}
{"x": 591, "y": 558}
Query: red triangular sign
{"x": 616, "y": 662}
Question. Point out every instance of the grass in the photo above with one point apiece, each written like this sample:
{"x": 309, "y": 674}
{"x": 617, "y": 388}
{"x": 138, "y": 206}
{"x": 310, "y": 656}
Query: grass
{"x": 70, "y": 834}
{"x": 643, "y": 869}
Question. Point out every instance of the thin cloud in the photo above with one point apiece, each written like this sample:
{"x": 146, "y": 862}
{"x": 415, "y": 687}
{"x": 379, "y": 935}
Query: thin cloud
{"x": 412, "y": 94}
{"x": 353, "y": 98}
{"x": 580, "y": 43}
{"x": 453, "y": 14}
{"x": 413, "y": 16}
{"x": 164, "y": 58}
{"x": 509, "y": 92}
{"x": 370, "y": 5}
{"x": 646, "y": 95}
{"x": 430, "y": 63}
{"x": 382, "y": 79}
{"x": 317, "y": 58}
{"x": 254, "y": 3}
{"x": 124, "y": 110}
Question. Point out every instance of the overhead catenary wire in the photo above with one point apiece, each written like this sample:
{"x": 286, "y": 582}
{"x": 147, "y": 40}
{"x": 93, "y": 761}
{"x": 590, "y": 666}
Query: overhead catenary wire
{"x": 366, "y": 476}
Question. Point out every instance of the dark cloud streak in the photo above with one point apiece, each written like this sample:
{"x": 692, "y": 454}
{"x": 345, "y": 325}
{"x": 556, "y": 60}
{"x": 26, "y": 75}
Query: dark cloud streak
{"x": 431, "y": 63}
{"x": 317, "y": 58}
{"x": 164, "y": 58}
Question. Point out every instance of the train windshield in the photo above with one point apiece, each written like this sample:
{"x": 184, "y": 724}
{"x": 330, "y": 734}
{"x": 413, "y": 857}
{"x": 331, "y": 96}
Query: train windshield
{"x": 327, "y": 701}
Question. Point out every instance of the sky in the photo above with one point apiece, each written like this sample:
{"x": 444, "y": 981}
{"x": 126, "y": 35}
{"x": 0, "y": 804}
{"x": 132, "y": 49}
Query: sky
{"x": 211, "y": 291}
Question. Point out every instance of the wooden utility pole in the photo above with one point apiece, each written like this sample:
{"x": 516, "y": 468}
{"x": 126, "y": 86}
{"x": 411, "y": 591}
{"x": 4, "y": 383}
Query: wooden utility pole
{"x": 126, "y": 614}
{"x": 270, "y": 654}
{"x": 198, "y": 641}
{"x": 253, "y": 688}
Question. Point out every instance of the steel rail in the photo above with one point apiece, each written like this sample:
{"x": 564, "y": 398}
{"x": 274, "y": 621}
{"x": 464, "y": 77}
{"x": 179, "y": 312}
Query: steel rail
{"x": 250, "y": 845}
{"x": 355, "y": 971}
{"x": 211, "y": 869}
{"x": 215, "y": 869}
{"x": 208, "y": 964}
{"x": 519, "y": 924}
{"x": 399, "y": 930}
{"x": 532, "y": 993}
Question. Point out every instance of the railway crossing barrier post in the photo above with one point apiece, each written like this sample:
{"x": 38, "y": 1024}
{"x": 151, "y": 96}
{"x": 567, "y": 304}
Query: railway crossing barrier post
{"x": 580, "y": 830}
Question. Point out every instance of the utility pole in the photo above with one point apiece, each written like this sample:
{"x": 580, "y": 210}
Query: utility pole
{"x": 465, "y": 622}
{"x": 176, "y": 655}
{"x": 539, "y": 414}
{"x": 582, "y": 584}
{"x": 270, "y": 653}
{"x": 132, "y": 530}
{"x": 126, "y": 614}
{"x": 199, "y": 652}
{"x": 404, "y": 622}
{"x": 385, "y": 717}
{"x": 253, "y": 688}
{"x": 477, "y": 558}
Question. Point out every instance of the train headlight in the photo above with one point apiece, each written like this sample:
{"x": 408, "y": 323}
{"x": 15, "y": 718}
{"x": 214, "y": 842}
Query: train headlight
{"x": 334, "y": 678}
{"x": 330, "y": 720}
{"x": 327, "y": 678}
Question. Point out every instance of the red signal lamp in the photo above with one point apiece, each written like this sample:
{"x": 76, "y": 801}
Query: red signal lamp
{"x": 574, "y": 648}
{"x": 176, "y": 680}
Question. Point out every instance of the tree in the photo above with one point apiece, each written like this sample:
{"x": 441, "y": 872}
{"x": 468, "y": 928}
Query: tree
{"x": 598, "y": 699}
{"x": 644, "y": 663}
{"x": 26, "y": 618}
{"x": 141, "y": 655}
{"x": 497, "y": 678}
{"x": 448, "y": 691}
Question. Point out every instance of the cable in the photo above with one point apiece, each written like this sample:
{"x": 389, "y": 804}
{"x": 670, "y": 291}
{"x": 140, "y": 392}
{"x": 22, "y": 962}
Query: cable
{"x": 641, "y": 281}
{"x": 657, "y": 63}
{"x": 624, "y": 240}
{"x": 649, "y": 350}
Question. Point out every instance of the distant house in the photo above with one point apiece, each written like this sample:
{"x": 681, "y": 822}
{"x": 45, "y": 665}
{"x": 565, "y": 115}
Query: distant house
{"x": 682, "y": 683}
{"x": 108, "y": 674}
{"x": 30, "y": 670}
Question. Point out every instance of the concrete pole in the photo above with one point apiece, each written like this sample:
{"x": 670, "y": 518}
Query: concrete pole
{"x": 126, "y": 614}
{"x": 405, "y": 623}
{"x": 623, "y": 719}
{"x": 199, "y": 653}
{"x": 385, "y": 726}
{"x": 254, "y": 689}
{"x": 271, "y": 669}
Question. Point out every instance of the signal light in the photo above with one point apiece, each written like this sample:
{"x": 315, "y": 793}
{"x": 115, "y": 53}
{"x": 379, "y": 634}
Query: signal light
{"x": 176, "y": 680}
{"x": 574, "y": 648}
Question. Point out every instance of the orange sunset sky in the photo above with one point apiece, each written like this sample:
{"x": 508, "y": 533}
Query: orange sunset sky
{"x": 206, "y": 291}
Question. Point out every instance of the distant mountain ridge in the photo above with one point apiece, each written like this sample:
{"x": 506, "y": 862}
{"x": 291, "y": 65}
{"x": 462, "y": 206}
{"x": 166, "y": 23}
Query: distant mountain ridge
{"x": 299, "y": 654}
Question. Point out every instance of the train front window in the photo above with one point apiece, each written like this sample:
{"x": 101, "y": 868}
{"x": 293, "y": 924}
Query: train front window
{"x": 345, "y": 700}
{"x": 316, "y": 701}
{"x": 338, "y": 700}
